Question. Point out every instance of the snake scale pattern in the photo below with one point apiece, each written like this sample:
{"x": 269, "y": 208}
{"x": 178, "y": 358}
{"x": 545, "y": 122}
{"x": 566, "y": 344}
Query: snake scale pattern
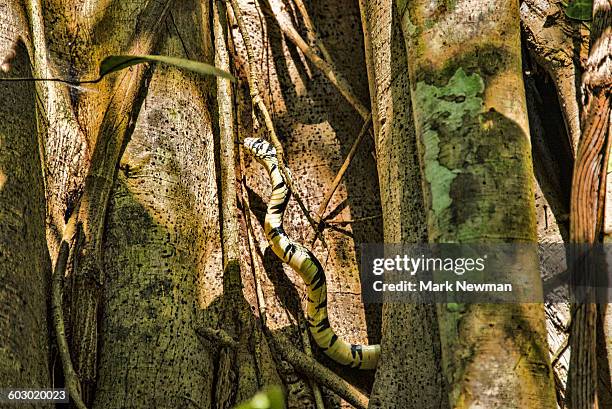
{"x": 307, "y": 266}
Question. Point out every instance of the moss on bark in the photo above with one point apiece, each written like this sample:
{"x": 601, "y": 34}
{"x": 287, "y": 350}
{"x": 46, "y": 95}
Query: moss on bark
{"x": 471, "y": 122}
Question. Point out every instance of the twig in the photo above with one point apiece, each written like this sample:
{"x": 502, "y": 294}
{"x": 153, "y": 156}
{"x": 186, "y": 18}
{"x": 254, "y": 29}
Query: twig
{"x": 259, "y": 103}
{"x": 312, "y": 30}
{"x": 219, "y": 336}
{"x": 313, "y": 369}
{"x": 335, "y": 78}
{"x": 71, "y": 378}
{"x": 340, "y": 174}
{"x": 246, "y": 211}
{"x": 560, "y": 352}
{"x": 359, "y": 220}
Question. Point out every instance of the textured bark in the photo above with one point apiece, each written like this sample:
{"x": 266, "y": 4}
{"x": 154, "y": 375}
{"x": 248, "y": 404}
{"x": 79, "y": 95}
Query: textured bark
{"x": 24, "y": 260}
{"x": 160, "y": 228}
{"x": 256, "y": 370}
{"x": 409, "y": 373}
{"x": 317, "y": 128}
{"x": 586, "y": 216}
{"x": 86, "y": 128}
{"x": 471, "y": 124}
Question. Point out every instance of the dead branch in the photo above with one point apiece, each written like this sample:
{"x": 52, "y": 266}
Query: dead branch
{"x": 313, "y": 31}
{"x": 340, "y": 174}
{"x": 358, "y": 220}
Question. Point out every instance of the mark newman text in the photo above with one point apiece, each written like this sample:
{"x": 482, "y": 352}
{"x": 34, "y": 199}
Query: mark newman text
{"x": 447, "y": 286}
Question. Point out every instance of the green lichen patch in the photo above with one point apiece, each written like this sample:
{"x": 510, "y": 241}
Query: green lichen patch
{"x": 447, "y": 106}
{"x": 494, "y": 188}
{"x": 475, "y": 162}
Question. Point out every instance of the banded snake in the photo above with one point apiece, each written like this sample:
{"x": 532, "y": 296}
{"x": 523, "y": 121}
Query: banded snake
{"x": 306, "y": 265}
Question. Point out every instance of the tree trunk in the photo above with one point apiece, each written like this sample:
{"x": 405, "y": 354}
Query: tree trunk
{"x": 167, "y": 252}
{"x": 587, "y": 370}
{"x": 464, "y": 61}
{"x": 161, "y": 226}
{"x": 409, "y": 373}
{"x": 24, "y": 259}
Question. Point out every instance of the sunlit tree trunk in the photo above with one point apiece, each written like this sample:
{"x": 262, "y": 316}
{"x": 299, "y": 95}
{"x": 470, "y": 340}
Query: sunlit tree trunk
{"x": 589, "y": 373}
{"x": 135, "y": 159}
{"x": 464, "y": 60}
{"x": 409, "y": 374}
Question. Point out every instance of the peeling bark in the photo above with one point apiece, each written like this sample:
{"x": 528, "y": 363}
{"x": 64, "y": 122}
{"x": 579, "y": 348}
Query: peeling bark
{"x": 589, "y": 374}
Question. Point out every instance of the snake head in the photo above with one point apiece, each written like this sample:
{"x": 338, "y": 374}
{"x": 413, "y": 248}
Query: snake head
{"x": 259, "y": 148}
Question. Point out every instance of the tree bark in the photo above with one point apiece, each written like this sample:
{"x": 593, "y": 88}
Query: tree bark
{"x": 24, "y": 259}
{"x": 409, "y": 373}
{"x": 317, "y": 128}
{"x": 470, "y": 114}
{"x": 586, "y": 390}
{"x": 160, "y": 231}
{"x": 558, "y": 44}
{"x": 86, "y": 133}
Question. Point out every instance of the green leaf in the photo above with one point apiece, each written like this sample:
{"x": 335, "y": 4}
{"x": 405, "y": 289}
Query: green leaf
{"x": 271, "y": 398}
{"x": 115, "y": 63}
{"x": 579, "y": 9}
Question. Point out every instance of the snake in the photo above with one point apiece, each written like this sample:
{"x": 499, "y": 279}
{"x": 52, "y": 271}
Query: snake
{"x": 304, "y": 262}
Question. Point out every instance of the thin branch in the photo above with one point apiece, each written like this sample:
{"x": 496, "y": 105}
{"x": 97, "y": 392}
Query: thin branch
{"x": 358, "y": 220}
{"x": 560, "y": 352}
{"x": 334, "y": 77}
{"x": 312, "y": 30}
{"x": 246, "y": 211}
{"x": 259, "y": 103}
{"x": 62, "y": 80}
{"x": 340, "y": 174}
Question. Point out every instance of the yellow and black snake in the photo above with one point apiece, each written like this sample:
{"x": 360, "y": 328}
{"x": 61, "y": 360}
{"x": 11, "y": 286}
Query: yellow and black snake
{"x": 307, "y": 266}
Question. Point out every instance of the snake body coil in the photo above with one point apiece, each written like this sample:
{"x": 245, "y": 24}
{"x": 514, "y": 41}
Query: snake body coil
{"x": 307, "y": 266}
